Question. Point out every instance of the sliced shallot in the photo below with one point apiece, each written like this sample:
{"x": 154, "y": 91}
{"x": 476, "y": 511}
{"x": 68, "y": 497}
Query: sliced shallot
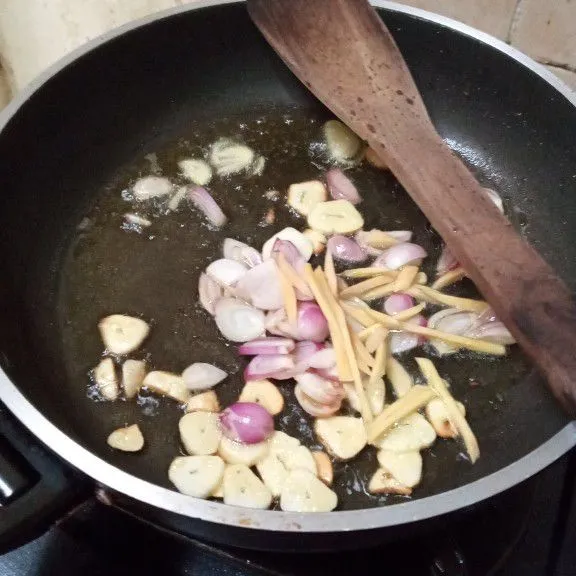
{"x": 311, "y": 323}
{"x": 247, "y": 423}
{"x": 264, "y": 366}
{"x": 304, "y": 353}
{"x": 341, "y": 187}
{"x": 404, "y": 341}
{"x": 400, "y": 255}
{"x": 277, "y": 324}
{"x": 319, "y": 389}
{"x": 398, "y": 303}
{"x": 209, "y": 292}
{"x": 493, "y": 332}
{"x": 452, "y": 321}
{"x": 201, "y": 376}
{"x": 204, "y": 202}
{"x": 261, "y": 286}
{"x": 315, "y": 408}
{"x": 291, "y": 253}
{"x": 446, "y": 262}
{"x": 238, "y": 321}
{"x": 346, "y": 249}
{"x": 240, "y": 252}
{"x": 267, "y": 346}
{"x": 323, "y": 359}
{"x": 226, "y": 272}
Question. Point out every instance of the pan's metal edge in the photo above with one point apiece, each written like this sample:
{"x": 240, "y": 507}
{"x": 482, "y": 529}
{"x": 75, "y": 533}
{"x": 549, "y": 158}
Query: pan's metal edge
{"x": 163, "y": 498}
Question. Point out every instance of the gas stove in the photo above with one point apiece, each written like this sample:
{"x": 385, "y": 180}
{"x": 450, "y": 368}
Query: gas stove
{"x": 529, "y": 530}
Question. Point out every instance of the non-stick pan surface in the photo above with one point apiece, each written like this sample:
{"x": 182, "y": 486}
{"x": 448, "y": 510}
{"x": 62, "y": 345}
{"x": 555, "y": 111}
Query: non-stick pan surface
{"x": 173, "y": 84}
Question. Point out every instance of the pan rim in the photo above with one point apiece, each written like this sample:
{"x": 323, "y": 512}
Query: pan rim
{"x": 340, "y": 521}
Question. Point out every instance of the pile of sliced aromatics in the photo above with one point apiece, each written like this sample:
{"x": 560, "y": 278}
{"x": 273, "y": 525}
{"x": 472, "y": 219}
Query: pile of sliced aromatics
{"x": 335, "y": 334}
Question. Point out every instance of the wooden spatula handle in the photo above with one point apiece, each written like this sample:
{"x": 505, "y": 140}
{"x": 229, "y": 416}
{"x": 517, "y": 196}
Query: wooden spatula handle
{"x": 526, "y": 294}
{"x": 344, "y": 54}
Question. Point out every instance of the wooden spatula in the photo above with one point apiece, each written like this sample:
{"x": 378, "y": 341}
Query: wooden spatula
{"x": 342, "y": 51}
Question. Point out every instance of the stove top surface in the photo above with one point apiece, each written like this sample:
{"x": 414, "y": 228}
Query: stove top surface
{"x": 528, "y": 530}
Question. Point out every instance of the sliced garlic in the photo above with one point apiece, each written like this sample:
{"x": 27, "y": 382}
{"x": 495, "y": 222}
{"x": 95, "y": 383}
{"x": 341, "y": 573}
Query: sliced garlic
{"x": 280, "y": 441}
{"x": 258, "y": 166}
{"x": 304, "y": 492}
{"x": 411, "y": 434}
{"x": 342, "y": 436}
{"x": 374, "y": 159}
{"x": 303, "y": 196}
{"x": 177, "y": 198}
{"x": 324, "y": 467}
{"x": 206, "y": 402}
{"x": 406, "y": 467}
{"x": 384, "y": 483}
{"x": 284, "y": 455}
{"x": 128, "y": 439}
{"x": 343, "y": 144}
{"x": 197, "y": 171}
{"x": 151, "y": 187}
{"x": 219, "y": 491}
{"x": 197, "y": 476}
{"x": 106, "y": 379}
{"x": 243, "y": 488}
{"x": 122, "y": 334}
{"x": 200, "y": 433}
{"x": 167, "y": 384}
{"x": 438, "y": 416}
{"x": 302, "y": 244}
{"x": 137, "y": 220}
{"x": 273, "y": 473}
{"x": 335, "y": 217}
{"x": 247, "y": 454}
{"x": 263, "y": 392}
{"x": 133, "y": 373}
{"x": 229, "y": 158}
{"x": 318, "y": 240}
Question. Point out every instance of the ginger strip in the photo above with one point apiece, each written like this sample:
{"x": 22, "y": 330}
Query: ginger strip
{"x": 427, "y": 294}
{"x": 364, "y": 334}
{"x": 379, "y": 292}
{"x": 289, "y": 297}
{"x": 366, "y": 286}
{"x": 474, "y": 344}
{"x": 449, "y": 278}
{"x": 454, "y": 415}
{"x": 370, "y": 272}
{"x": 361, "y": 315}
{"x": 459, "y": 341}
{"x": 379, "y": 368}
{"x": 365, "y": 409}
{"x": 417, "y": 397}
{"x": 406, "y": 278}
{"x": 337, "y": 339}
{"x": 330, "y": 272}
{"x": 411, "y": 312}
{"x": 295, "y": 279}
{"x": 362, "y": 353}
{"x": 376, "y": 338}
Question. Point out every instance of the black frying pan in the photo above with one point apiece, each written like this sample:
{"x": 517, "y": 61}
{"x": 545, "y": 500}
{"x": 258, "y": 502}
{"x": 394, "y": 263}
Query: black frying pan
{"x": 69, "y": 147}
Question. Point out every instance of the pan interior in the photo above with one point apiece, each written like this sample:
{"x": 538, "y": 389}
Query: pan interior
{"x": 174, "y": 85}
